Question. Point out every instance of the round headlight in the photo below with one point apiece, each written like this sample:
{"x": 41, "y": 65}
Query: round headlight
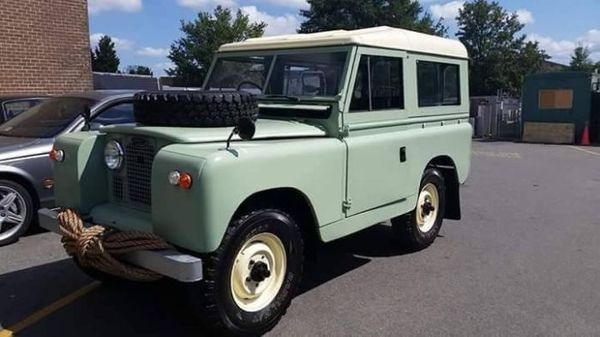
{"x": 113, "y": 155}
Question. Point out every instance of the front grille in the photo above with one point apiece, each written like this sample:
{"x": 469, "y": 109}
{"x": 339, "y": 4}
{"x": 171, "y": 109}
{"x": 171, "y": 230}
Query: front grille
{"x": 131, "y": 185}
{"x": 139, "y": 154}
{"x": 118, "y": 187}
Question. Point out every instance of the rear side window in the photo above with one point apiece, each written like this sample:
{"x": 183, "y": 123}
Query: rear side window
{"x": 379, "y": 84}
{"x": 438, "y": 84}
{"x": 14, "y": 108}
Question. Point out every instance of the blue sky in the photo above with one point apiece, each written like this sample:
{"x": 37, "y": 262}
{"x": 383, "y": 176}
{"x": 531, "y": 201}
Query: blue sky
{"x": 144, "y": 29}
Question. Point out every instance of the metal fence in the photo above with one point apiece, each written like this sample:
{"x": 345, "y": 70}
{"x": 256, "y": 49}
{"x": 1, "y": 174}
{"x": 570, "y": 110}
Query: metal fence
{"x": 496, "y": 117}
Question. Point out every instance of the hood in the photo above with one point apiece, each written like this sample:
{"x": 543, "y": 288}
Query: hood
{"x": 18, "y": 147}
{"x": 265, "y": 129}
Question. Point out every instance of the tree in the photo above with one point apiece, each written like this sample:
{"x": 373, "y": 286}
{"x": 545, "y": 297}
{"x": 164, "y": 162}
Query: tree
{"x": 138, "y": 70}
{"x": 105, "y": 56}
{"x": 326, "y": 15}
{"x": 355, "y": 14}
{"x": 580, "y": 60}
{"x": 193, "y": 53}
{"x": 499, "y": 56}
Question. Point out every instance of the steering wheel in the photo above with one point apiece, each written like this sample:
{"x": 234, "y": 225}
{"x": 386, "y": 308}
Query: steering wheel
{"x": 248, "y": 87}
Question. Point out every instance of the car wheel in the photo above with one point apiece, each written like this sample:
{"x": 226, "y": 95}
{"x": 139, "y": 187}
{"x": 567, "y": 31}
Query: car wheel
{"x": 16, "y": 211}
{"x": 250, "y": 280}
{"x": 418, "y": 229}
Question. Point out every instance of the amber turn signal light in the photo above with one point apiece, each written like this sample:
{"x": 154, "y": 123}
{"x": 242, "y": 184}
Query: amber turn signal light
{"x": 57, "y": 155}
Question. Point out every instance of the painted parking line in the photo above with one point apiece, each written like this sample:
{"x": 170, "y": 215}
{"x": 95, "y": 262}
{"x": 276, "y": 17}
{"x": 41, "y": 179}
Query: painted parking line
{"x": 49, "y": 310}
{"x": 491, "y": 154}
{"x": 585, "y": 150}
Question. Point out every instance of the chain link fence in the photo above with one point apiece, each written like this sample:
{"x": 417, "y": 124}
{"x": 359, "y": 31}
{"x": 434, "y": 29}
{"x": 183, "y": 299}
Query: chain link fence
{"x": 496, "y": 117}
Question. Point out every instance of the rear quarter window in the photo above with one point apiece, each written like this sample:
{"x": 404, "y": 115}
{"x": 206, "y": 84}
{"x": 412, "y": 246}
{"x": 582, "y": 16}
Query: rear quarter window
{"x": 438, "y": 84}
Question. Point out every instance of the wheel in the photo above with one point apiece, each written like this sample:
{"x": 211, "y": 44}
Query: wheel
{"x": 418, "y": 229}
{"x": 16, "y": 211}
{"x": 250, "y": 280}
{"x": 194, "y": 109}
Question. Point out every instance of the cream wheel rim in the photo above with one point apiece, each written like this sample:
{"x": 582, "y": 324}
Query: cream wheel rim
{"x": 427, "y": 207}
{"x": 258, "y": 272}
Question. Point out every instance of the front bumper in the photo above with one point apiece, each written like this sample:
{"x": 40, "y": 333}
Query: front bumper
{"x": 170, "y": 263}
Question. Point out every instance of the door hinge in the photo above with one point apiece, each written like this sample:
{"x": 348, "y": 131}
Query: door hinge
{"x": 347, "y": 204}
{"x": 345, "y": 131}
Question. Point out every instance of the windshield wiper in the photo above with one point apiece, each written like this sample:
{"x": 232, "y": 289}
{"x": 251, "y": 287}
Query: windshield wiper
{"x": 289, "y": 98}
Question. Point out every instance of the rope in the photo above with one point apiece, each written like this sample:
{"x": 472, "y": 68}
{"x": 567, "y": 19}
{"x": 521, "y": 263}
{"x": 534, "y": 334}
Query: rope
{"x": 99, "y": 248}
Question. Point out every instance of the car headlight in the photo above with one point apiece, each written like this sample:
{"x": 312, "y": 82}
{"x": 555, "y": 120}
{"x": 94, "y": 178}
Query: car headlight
{"x": 113, "y": 155}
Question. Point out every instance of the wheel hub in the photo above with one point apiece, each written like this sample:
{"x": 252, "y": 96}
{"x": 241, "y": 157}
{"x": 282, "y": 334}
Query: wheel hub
{"x": 12, "y": 212}
{"x": 258, "y": 272}
{"x": 427, "y": 209}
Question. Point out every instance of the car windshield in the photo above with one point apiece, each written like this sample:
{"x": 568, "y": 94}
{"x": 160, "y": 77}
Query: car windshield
{"x": 300, "y": 75}
{"x": 47, "y": 119}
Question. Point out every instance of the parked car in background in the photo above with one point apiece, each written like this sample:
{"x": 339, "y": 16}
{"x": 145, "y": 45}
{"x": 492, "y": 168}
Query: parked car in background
{"x": 11, "y": 106}
{"x": 25, "y": 171}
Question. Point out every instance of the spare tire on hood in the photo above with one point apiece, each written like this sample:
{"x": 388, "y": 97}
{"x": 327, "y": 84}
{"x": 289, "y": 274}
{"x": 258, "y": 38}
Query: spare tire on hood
{"x": 194, "y": 108}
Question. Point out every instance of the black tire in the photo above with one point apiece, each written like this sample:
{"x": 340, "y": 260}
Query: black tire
{"x": 212, "y": 299}
{"x": 194, "y": 108}
{"x": 406, "y": 228}
{"x": 28, "y": 203}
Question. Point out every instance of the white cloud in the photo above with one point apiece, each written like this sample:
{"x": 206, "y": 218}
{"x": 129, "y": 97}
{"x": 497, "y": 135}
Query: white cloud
{"x": 120, "y": 44}
{"x": 206, "y": 4}
{"x": 561, "y": 50}
{"x": 276, "y": 25}
{"x": 153, "y": 52}
{"x": 159, "y": 68}
{"x": 97, "y": 6}
{"x": 525, "y": 17}
{"x": 447, "y": 11}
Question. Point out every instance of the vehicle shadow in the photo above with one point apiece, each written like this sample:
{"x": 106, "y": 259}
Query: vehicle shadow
{"x": 135, "y": 309}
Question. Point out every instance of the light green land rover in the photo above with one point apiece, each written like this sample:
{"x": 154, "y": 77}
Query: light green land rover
{"x": 295, "y": 140}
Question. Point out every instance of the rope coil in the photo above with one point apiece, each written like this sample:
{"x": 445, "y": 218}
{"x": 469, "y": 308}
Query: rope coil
{"x": 99, "y": 247}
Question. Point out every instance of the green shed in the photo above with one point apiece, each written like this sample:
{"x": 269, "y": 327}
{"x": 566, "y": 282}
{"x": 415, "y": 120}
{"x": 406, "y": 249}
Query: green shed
{"x": 570, "y": 99}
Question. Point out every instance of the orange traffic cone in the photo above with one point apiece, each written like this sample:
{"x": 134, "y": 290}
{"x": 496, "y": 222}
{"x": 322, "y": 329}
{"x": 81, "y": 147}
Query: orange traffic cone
{"x": 585, "y": 138}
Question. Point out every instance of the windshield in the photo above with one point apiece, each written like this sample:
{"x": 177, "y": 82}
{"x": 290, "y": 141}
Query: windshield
{"x": 47, "y": 119}
{"x": 299, "y": 75}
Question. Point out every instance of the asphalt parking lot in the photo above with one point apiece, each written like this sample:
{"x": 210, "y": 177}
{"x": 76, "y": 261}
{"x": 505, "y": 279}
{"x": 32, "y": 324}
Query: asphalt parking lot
{"x": 524, "y": 261}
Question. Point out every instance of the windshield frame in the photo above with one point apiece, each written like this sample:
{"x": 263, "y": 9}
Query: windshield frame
{"x": 277, "y": 52}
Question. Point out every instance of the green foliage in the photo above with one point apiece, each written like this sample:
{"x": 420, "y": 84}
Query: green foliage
{"x": 580, "y": 60}
{"x": 138, "y": 70}
{"x": 193, "y": 53}
{"x": 500, "y": 57}
{"x": 104, "y": 56}
{"x": 326, "y": 15}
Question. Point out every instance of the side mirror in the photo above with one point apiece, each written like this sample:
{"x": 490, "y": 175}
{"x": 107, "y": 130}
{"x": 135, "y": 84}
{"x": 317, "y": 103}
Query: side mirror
{"x": 87, "y": 117}
{"x": 94, "y": 126}
{"x": 245, "y": 129}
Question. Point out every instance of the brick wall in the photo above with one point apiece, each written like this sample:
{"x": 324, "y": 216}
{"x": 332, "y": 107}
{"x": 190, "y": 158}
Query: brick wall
{"x": 44, "y": 47}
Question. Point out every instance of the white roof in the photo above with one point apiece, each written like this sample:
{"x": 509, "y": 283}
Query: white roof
{"x": 382, "y": 37}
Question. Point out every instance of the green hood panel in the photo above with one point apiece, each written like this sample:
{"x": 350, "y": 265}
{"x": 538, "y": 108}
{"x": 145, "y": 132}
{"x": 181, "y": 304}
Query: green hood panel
{"x": 265, "y": 129}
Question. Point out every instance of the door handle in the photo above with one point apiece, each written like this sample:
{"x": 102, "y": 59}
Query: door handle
{"x": 403, "y": 154}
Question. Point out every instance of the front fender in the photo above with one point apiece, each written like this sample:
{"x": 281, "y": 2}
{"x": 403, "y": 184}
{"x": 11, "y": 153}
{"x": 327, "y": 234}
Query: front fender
{"x": 223, "y": 179}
